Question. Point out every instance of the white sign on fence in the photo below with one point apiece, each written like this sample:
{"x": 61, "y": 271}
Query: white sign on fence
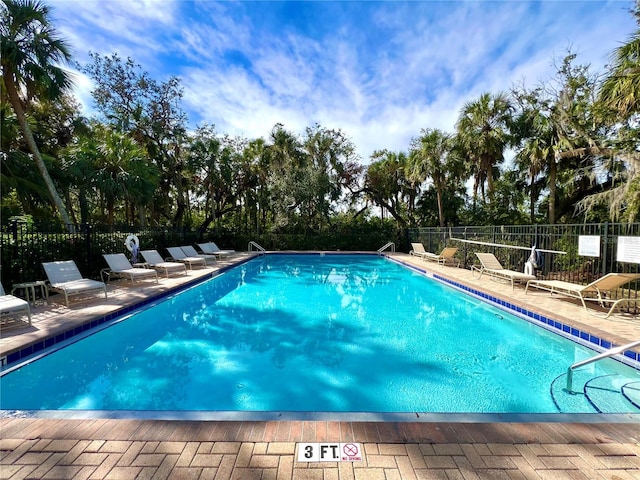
{"x": 589, "y": 245}
{"x": 628, "y": 249}
{"x": 329, "y": 452}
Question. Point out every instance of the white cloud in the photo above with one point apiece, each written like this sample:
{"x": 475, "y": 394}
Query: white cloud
{"x": 83, "y": 86}
{"x": 380, "y": 71}
{"x": 134, "y": 28}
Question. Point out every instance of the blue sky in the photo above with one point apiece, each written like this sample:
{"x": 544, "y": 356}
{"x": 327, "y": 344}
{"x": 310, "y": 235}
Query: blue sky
{"x": 379, "y": 71}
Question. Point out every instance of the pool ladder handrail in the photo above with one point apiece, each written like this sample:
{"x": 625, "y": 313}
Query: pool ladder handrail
{"x": 387, "y": 245}
{"x": 606, "y": 354}
{"x": 253, "y": 245}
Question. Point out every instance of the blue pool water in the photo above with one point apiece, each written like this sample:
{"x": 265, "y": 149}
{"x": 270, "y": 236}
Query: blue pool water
{"x": 333, "y": 333}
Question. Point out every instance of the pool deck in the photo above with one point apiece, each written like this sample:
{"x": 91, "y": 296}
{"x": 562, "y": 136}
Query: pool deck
{"x": 437, "y": 448}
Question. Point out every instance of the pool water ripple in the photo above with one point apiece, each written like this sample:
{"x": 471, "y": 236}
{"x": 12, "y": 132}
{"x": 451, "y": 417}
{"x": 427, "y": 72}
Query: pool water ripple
{"x": 308, "y": 333}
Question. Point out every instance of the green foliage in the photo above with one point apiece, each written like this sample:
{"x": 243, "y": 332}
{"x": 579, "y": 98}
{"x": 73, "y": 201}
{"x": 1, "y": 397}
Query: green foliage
{"x": 576, "y": 144}
{"x": 30, "y": 55}
{"x": 22, "y": 219}
{"x": 453, "y": 206}
{"x": 131, "y": 102}
{"x": 11, "y": 207}
{"x": 483, "y": 134}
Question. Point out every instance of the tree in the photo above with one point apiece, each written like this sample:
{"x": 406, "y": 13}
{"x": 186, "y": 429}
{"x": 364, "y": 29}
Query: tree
{"x": 561, "y": 141}
{"x": 121, "y": 171}
{"x": 535, "y": 132}
{"x": 619, "y": 100}
{"x": 583, "y": 160}
{"x": 620, "y": 90}
{"x": 113, "y": 166}
{"x": 483, "y": 133}
{"x": 151, "y": 112}
{"x": 29, "y": 52}
{"x": 332, "y": 172}
{"x": 216, "y": 164}
{"x": 22, "y": 185}
{"x": 387, "y": 186}
{"x": 428, "y": 159}
{"x": 287, "y": 170}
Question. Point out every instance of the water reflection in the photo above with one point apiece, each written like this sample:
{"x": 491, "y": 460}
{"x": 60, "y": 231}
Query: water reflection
{"x": 332, "y": 333}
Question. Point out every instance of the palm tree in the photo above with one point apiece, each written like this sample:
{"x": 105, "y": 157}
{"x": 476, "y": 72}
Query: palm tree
{"x": 289, "y": 174}
{"x": 620, "y": 90}
{"x": 619, "y": 96}
{"x": 29, "y": 51}
{"x": 122, "y": 172}
{"x": 536, "y": 132}
{"x": 429, "y": 160}
{"x": 483, "y": 133}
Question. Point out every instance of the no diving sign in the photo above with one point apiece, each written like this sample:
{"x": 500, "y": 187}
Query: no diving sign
{"x": 329, "y": 452}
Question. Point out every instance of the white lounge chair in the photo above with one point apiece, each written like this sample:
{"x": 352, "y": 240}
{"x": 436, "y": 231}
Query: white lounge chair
{"x": 153, "y": 258}
{"x": 64, "y": 277}
{"x": 446, "y": 256}
{"x": 192, "y": 252}
{"x": 600, "y": 290}
{"x": 178, "y": 254}
{"x": 492, "y": 267}
{"x": 212, "y": 249}
{"x": 119, "y": 267}
{"x": 12, "y": 306}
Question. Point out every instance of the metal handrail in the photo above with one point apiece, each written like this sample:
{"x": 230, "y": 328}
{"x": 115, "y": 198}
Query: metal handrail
{"x": 515, "y": 247}
{"x": 253, "y": 244}
{"x": 609, "y": 353}
{"x": 387, "y": 245}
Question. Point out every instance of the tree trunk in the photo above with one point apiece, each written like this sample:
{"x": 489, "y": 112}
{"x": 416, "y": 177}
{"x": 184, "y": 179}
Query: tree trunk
{"x": 84, "y": 205}
{"x": 552, "y": 191}
{"x": 439, "y": 200}
{"x": 26, "y": 130}
{"x": 141, "y": 216}
{"x": 532, "y": 210}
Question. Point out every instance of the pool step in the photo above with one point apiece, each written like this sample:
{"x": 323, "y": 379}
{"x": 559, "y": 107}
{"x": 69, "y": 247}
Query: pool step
{"x": 632, "y": 391}
{"x": 575, "y": 401}
{"x": 602, "y": 394}
{"x": 605, "y": 392}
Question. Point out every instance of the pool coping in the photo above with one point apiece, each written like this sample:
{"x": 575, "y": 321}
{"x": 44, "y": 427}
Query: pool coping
{"x": 287, "y": 416}
{"x": 71, "y": 335}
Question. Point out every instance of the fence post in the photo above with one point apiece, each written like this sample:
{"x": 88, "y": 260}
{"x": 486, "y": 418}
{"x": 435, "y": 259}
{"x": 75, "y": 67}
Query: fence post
{"x": 605, "y": 240}
{"x": 464, "y": 235}
{"x": 494, "y": 239}
{"x": 16, "y": 250}
{"x": 14, "y": 230}
{"x": 87, "y": 243}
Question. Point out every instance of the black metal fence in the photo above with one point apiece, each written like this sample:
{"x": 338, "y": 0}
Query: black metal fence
{"x": 511, "y": 244}
{"x": 23, "y": 247}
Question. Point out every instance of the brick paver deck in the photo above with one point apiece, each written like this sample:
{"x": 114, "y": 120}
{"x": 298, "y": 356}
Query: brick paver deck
{"x": 49, "y": 448}
{"x": 133, "y": 449}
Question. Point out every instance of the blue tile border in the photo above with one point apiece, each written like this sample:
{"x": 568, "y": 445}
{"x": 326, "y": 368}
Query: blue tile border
{"x": 41, "y": 344}
{"x": 551, "y": 324}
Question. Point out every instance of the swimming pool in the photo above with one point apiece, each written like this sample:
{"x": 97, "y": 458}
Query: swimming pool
{"x": 317, "y": 333}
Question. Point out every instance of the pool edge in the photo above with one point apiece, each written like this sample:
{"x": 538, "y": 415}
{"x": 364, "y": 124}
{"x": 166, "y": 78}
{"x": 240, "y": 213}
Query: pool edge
{"x": 384, "y": 417}
{"x": 418, "y": 417}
